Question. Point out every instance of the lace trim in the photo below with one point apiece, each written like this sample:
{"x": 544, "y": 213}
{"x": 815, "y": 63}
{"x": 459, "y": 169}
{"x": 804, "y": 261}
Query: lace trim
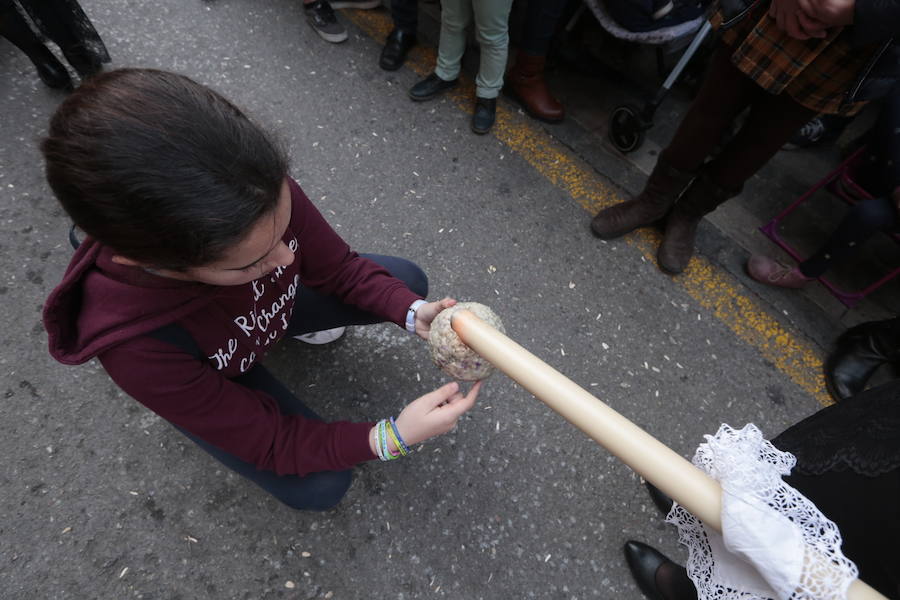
{"x": 750, "y": 469}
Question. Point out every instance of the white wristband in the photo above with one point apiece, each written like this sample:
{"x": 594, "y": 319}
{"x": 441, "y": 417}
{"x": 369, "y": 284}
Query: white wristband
{"x": 411, "y": 315}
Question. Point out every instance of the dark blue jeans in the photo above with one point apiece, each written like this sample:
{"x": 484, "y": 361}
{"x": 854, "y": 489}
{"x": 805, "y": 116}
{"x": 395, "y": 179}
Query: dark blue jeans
{"x": 312, "y": 312}
{"x": 541, "y": 18}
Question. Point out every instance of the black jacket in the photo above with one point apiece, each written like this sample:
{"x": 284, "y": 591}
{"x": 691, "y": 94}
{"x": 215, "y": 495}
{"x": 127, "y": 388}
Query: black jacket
{"x": 877, "y": 21}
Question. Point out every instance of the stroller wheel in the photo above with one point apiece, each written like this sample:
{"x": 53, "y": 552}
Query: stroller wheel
{"x": 626, "y": 128}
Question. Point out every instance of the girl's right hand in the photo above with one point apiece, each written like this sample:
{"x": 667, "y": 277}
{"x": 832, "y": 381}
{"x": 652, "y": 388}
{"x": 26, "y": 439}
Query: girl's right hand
{"x": 434, "y": 413}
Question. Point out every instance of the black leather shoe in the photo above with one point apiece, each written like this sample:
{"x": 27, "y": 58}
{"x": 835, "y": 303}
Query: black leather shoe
{"x": 396, "y": 47}
{"x": 858, "y": 353}
{"x": 485, "y": 113}
{"x": 51, "y": 71}
{"x": 662, "y": 502}
{"x": 643, "y": 562}
{"x": 430, "y": 87}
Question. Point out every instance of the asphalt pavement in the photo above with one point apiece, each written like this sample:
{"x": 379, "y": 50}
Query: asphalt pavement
{"x": 102, "y": 499}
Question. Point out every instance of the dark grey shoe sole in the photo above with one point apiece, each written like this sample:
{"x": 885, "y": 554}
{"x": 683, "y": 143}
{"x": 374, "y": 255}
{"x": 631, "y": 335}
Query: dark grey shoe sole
{"x": 433, "y": 95}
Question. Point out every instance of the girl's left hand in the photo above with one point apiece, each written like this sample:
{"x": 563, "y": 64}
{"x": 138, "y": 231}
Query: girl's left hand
{"x": 426, "y": 314}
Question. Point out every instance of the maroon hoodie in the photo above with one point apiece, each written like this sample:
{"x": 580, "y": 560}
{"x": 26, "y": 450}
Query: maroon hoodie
{"x": 103, "y": 309}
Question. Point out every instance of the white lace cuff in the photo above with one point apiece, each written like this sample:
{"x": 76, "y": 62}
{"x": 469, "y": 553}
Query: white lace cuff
{"x": 775, "y": 542}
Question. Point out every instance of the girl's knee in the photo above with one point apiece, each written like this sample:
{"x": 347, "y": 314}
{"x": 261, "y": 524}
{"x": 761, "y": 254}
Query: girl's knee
{"x": 405, "y": 270}
{"x": 454, "y": 27}
{"x": 417, "y": 280}
{"x": 494, "y": 38}
{"x": 319, "y": 491}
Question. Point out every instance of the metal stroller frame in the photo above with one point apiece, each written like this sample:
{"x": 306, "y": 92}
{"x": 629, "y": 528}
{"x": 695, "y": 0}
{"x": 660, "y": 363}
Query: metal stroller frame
{"x": 629, "y": 123}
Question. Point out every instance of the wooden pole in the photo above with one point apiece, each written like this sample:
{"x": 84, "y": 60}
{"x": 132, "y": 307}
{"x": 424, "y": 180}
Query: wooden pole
{"x": 688, "y": 485}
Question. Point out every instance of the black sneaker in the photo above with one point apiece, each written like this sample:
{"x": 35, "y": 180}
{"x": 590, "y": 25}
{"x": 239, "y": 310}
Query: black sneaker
{"x": 322, "y": 19}
{"x": 357, "y": 4}
{"x": 823, "y": 128}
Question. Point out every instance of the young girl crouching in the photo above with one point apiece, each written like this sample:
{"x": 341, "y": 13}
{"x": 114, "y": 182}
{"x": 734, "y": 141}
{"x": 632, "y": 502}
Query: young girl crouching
{"x": 201, "y": 253}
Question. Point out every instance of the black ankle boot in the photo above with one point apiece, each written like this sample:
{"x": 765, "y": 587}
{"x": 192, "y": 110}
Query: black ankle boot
{"x": 485, "y": 113}
{"x": 858, "y": 353}
{"x": 50, "y": 70}
{"x": 396, "y": 47}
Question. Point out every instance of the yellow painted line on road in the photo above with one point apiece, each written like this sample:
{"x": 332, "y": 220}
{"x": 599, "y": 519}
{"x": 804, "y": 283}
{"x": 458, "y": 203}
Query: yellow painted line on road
{"x": 711, "y": 288}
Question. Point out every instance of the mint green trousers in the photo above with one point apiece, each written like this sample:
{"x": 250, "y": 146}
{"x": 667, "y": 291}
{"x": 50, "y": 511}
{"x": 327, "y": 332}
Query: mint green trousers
{"x": 492, "y": 32}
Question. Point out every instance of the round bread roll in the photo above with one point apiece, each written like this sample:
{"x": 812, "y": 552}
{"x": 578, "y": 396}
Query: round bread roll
{"x": 449, "y": 352}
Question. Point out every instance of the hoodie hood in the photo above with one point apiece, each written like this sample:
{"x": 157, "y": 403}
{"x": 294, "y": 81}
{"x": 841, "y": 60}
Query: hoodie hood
{"x": 100, "y": 304}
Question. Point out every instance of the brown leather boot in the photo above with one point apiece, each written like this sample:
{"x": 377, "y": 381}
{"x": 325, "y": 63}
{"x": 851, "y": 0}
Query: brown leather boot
{"x": 663, "y": 187}
{"x": 525, "y": 82}
{"x": 701, "y": 198}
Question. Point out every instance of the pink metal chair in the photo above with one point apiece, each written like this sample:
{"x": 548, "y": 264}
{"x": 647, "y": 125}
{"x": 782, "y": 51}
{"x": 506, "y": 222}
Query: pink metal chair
{"x": 839, "y": 182}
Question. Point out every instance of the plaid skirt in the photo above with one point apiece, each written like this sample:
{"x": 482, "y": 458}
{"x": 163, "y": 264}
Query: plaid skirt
{"x": 817, "y": 73}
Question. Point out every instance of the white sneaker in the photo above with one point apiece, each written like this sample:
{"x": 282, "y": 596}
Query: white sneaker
{"x": 326, "y": 336}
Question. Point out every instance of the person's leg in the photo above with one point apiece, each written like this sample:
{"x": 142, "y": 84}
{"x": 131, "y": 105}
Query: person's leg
{"x": 525, "y": 81}
{"x": 541, "y": 19}
{"x": 772, "y": 120}
{"x": 885, "y": 144}
{"x": 314, "y": 311}
{"x": 320, "y": 16}
{"x": 862, "y": 221}
{"x": 405, "y": 14}
{"x": 725, "y": 93}
{"x": 492, "y": 31}
{"x": 656, "y": 575}
{"x": 315, "y": 491}
{"x": 66, "y": 24}
{"x": 455, "y": 17}
{"x": 14, "y": 28}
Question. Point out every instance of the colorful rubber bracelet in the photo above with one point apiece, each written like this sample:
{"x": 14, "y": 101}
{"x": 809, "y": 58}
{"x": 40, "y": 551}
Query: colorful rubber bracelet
{"x": 383, "y": 438}
{"x": 389, "y": 434}
{"x": 398, "y": 439}
{"x": 401, "y": 448}
{"x": 378, "y": 444}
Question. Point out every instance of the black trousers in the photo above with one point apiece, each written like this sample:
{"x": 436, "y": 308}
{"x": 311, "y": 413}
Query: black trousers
{"x": 541, "y": 19}
{"x": 405, "y": 14}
